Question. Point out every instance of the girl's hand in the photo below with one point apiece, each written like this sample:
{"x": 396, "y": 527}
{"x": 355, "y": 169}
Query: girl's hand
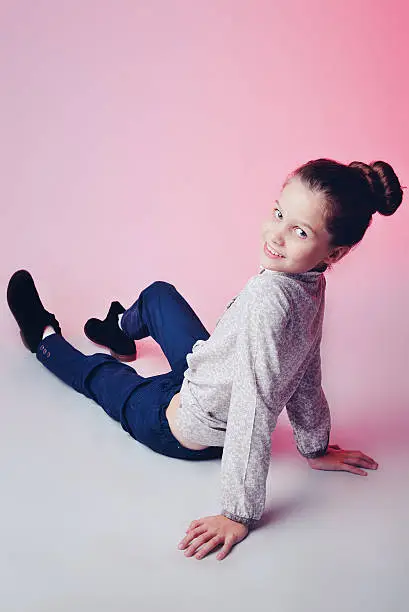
{"x": 338, "y": 459}
{"x": 213, "y": 530}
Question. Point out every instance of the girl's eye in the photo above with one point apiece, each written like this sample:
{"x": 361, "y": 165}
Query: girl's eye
{"x": 301, "y": 235}
{"x": 302, "y": 232}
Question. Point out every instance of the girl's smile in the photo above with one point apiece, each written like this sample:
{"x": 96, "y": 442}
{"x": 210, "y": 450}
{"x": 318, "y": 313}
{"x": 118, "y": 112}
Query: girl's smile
{"x": 270, "y": 252}
{"x": 294, "y": 237}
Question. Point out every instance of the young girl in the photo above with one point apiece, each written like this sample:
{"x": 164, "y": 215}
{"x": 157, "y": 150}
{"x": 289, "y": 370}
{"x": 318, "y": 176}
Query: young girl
{"x": 226, "y": 390}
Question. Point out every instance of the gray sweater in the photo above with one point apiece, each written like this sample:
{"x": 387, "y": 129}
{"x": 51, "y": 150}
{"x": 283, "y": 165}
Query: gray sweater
{"x": 263, "y": 355}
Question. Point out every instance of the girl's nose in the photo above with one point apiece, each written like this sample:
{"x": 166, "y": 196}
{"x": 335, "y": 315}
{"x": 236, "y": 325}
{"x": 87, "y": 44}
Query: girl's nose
{"x": 278, "y": 240}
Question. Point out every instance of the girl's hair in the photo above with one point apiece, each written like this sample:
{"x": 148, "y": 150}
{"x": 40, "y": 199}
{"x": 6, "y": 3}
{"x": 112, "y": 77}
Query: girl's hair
{"x": 351, "y": 194}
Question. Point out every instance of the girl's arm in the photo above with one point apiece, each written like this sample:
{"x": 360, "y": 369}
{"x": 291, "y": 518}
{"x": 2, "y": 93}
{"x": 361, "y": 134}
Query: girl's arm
{"x": 310, "y": 418}
{"x": 308, "y": 411}
{"x": 263, "y": 362}
{"x": 264, "y": 358}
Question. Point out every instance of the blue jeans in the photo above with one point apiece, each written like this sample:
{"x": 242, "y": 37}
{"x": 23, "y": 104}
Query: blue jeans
{"x": 138, "y": 403}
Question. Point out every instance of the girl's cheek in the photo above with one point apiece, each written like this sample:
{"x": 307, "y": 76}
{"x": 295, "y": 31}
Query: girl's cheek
{"x": 304, "y": 253}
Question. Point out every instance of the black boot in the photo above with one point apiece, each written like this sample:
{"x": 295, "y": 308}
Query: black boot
{"x": 25, "y": 304}
{"x": 108, "y": 333}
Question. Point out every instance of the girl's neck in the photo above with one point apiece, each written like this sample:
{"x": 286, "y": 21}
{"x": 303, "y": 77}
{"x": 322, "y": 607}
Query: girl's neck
{"x": 319, "y": 268}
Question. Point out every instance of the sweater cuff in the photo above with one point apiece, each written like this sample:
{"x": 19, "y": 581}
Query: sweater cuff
{"x": 315, "y": 454}
{"x": 250, "y": 522}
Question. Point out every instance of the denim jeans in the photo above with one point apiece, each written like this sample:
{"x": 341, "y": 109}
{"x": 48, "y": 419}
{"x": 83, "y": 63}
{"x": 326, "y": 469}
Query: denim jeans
{"x": 137, "y": 402}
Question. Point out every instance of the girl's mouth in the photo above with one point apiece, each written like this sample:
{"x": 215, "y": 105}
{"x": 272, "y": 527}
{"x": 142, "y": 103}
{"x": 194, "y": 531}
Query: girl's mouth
{"x": 270, "y": 254}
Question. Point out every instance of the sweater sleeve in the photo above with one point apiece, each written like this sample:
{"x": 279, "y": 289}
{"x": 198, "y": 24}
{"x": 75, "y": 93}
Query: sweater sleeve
{"x": 262, "y": 366}
{"x": 308, "y": 411}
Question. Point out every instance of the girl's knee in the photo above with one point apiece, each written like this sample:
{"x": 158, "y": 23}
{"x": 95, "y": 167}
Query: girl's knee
{"x": 159, "y": 287}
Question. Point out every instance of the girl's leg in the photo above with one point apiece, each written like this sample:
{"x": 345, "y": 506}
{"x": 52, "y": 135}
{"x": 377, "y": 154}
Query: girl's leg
{"x": 99, "y": 377}
{"x": 138, "y": 403}
{"x": 163, "y": 313}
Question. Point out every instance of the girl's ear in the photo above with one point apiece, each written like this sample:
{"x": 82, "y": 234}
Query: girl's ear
{"x": 337, "y": 254}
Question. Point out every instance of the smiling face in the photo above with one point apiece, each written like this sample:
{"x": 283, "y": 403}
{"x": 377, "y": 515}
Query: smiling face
{"x": 296, "y": 230}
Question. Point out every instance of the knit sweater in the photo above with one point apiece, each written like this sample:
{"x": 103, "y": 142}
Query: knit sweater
{"x": 263, "y": 355}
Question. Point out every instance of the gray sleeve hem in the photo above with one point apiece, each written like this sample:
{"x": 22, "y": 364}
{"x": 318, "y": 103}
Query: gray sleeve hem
{"x": 250, "y": 522}
{"x": 315, "y": 454}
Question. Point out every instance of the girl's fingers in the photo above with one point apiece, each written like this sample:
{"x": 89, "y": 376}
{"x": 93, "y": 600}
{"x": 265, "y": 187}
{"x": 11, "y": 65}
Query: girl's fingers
{"x": 351, "y": 468}
{"x": 215, "y": 541}
{"x": 191, "y": 536}
{"x": 362, "y": 456}
{"x": 369, "y": 459}
{"x": 195, "y": 525}
{"x": 372, "y": 465}
{"x": 198, "y": 542}
{"x": 360, "y": 461}
{"x": 357, "y": 454}
{"x": 228, "y": 545}
{"x": 192, "y": 525}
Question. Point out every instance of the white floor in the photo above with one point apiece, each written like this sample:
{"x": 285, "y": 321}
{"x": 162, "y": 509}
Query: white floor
{"x": 90, "y": 519}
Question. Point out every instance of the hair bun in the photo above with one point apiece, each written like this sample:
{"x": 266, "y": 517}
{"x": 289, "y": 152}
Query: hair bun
{"x": 385, "y": 186}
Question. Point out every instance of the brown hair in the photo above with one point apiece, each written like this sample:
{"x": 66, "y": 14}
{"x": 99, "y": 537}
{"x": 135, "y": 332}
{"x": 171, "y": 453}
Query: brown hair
{"x": 351, "y": 194}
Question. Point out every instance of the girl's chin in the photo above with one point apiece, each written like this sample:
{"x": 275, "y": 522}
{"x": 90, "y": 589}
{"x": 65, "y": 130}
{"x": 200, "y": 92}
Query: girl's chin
{"x": 282, "y": 265}
{"x": 278, "y": 264}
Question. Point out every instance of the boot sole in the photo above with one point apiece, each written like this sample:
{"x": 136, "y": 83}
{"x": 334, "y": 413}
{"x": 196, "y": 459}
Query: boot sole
{"x": 116, "y": 355}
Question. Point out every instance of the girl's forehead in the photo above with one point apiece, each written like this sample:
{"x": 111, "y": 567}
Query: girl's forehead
{"x": 296, "y": 193}
{"x": 301, "y": 203}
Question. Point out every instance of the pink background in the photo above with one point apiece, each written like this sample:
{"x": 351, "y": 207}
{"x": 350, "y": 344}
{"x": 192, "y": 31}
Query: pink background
{"x": 145, "y": 141}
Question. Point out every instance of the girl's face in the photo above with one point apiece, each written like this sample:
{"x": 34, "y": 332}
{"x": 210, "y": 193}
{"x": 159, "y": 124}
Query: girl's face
{"x": 296, "y": 230}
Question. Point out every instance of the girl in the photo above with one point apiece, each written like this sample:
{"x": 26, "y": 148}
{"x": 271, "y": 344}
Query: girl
{"x": 226, "y": 390}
